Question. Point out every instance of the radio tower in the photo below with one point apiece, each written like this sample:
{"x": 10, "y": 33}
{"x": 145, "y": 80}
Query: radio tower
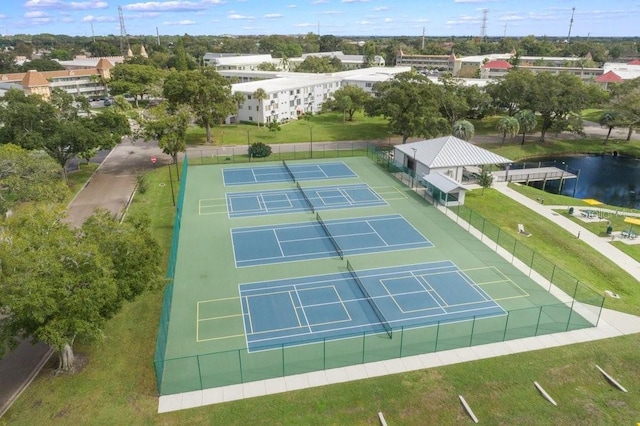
{"x": 573, "y": 9}
{"x": 483, "y": 29}
{"x": 123, "y": 34}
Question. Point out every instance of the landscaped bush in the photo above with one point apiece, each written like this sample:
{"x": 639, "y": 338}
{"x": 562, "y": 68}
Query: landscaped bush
{"x": 259, "y": 150}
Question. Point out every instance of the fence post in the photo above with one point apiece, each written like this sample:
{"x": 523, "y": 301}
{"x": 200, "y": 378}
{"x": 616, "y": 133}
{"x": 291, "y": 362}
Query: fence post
{"x": 513, "y": 254}
{"x": 533, "y": 254}
{"x": 401, "y": 339}
{"x": 364, "y": 337}
{"x": 283, "y": 363}
{"x": 506, "y": 326}
{"x": 573, "y": 301}
{"x": 199, "y": 372}
{"x": 497, "y": 240}
{"x": 538, "y": 322}
{"x": 484, "y": 221}
{"x": 473, "y": 327}
{"x": 240, "y": 363}
{"x": 435, "y": 349}
{"x": 553, "y": 273}
{"x": 324, "y": 353}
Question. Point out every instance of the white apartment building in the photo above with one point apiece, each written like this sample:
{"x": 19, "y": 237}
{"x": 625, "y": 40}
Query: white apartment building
{"x": 289, "y": 95}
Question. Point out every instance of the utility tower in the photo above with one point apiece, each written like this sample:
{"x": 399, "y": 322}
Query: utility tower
{"x": 483, "y": 29}
{"x": 573, "y": 9}
{"x": 123, "y": 34}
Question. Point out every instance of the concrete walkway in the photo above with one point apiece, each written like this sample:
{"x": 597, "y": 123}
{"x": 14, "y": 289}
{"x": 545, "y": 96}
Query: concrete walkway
{"x": 611, "y": 324}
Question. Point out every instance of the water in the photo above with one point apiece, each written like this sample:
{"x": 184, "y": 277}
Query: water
{"x": 612, "y": 180}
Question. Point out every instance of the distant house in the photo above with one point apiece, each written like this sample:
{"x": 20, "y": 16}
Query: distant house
{"x": 441, "y": 165}
{"x": 495, "y": 69}
{"x": 608, "y": 78}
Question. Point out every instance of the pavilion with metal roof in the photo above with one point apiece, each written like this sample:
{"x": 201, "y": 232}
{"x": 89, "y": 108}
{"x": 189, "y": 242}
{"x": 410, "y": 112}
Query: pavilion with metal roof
{"x": 441, "y": 164}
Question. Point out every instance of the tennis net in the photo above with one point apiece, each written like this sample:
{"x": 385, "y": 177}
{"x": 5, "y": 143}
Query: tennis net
{"x": 326, "y": 231}
{"x": 313, "y": 210}
{"x": 369, "y": 299}
{"x": 293, "y": 178}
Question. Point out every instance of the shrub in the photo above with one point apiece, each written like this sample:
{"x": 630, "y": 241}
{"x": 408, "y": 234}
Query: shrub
{"x": 259, "y": 150}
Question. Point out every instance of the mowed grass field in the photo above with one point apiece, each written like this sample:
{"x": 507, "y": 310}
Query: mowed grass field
{"x": 117, "y": 385}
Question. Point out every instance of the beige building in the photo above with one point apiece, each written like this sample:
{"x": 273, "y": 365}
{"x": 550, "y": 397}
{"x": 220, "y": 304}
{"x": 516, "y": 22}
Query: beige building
{"x": 87, "y": 82}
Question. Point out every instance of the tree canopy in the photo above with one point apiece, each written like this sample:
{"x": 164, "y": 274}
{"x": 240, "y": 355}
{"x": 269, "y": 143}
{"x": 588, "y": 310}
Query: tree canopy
{"x": 410, "y": 103}
{"x": 57, "y": 127}
{"x": 58, "y": 284}
{"x": 348, "y": 99}
{"x": 205, "y": 92}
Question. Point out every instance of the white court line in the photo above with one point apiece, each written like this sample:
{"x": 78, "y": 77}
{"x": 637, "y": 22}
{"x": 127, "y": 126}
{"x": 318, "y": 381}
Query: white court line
{"x": 246, "y": 300}
{"x": 295, "y": 311}
{"x": 275, "y": 234}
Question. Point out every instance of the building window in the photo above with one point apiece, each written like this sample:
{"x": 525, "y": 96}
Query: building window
{"x": 368, "y": 85}
{"x": 250, "y": 118}
{"x": 249, "y": 97}
{"x": 249, "y": 107}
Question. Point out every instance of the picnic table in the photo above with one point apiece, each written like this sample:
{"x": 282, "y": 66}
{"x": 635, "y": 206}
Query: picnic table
{"x": 628, "y": 234}
{"x": 589, "y": 213}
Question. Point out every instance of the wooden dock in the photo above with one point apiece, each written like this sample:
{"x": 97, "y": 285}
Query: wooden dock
{"x": 538, "y": 174}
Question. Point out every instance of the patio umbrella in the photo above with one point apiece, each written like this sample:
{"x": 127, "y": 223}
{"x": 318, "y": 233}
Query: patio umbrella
{"x": 632, "y": 221}
{"x": 592, "y": 202}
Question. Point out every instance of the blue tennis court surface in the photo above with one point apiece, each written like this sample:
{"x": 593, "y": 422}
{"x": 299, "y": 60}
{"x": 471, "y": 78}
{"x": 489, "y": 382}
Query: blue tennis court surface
{"x": 266, "y": 174}
{"x": 255, "y": 203}
{"x": 303, "y": 241}
{"x": 302, "y": 310}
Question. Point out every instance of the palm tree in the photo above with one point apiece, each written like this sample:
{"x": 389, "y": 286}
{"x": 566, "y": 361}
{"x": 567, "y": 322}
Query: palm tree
{"x": 527, "y": 121}
{"x": 463, "y": 129}
{"x": 508, "y": 126}
{"x": 260, "y": 94}
{"x": 608, "y": 119}
{"x": 238, "y": 98}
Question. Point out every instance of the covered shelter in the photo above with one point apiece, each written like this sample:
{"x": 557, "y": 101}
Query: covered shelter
{"x": 442, "y": 164}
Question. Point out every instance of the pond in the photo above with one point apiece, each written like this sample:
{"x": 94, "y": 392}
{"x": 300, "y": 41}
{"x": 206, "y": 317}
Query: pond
{"x": 613, "y": 180}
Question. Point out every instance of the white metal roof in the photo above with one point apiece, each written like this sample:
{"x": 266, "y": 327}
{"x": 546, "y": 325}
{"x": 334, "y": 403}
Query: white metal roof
{"x": 449, "y": 151}
{"x": 443, "y": 182}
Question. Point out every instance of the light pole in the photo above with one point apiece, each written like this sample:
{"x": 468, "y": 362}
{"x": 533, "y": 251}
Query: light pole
{"x": 248, "y": 144}
{"x": 415, "y": 167}
{"x": 388, "y": 149}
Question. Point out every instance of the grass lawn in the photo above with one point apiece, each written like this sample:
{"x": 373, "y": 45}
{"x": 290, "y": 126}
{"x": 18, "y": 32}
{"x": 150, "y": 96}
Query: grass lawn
{"x": 117, "y": 386}
{"x": 323, "y": 127}
{"x": 592, "y": 114}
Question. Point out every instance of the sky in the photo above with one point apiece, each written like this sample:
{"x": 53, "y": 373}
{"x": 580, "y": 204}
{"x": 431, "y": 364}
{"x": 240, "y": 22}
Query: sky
{"x": 512, "y": 18}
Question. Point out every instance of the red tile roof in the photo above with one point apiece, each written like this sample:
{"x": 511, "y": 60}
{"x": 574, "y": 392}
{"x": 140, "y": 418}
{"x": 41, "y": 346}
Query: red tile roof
{"x": 634, "y": 62}
{"x": 499, "y": 64}
{"x": 609, "y": 77}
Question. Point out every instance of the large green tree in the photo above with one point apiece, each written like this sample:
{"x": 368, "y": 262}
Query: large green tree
{"x": 557, "y": 99}
{"x": 58, "y": 284}
{"x": 28, "y": 176}
{"x": 135, "y": 80}
{"x": 508, "y": 93}
{"x": 625, "y": 101}
{"x": 348, "y": 99}
{"x": 57, "y": 127}
{"x": 169, "y": 127}
{"x": 409, "y": 102}
{"x": 205, "y": 92}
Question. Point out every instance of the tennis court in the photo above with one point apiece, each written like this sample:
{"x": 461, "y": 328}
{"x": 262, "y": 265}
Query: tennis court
{"x": 308, "y": 240}
{"x": 303, "y": 310}
{"x": 255, "y": 203}
{"x": 261, "y": 287}
{"x": 285, "y": 173}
